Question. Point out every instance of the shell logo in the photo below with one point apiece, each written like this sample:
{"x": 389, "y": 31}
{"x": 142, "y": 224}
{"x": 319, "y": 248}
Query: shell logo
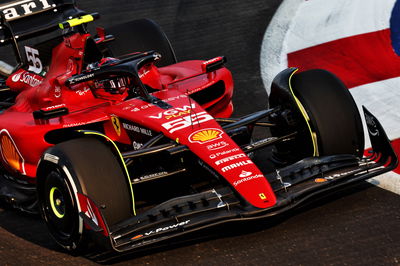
{"x": 205, "y": 135}
{"x": 10, "y": 153}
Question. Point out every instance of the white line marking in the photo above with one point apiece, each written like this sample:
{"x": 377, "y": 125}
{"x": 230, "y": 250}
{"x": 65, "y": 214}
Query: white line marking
{"x": 332, "y": 20}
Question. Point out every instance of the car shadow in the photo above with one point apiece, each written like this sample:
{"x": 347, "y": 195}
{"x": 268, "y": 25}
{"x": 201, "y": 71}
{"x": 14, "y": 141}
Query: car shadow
{"x": 29, "y": 227}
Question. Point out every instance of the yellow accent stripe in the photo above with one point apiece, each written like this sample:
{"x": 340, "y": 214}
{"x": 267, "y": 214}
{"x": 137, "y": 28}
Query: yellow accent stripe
{"x": 313, "y": 135}
{"x": 77, "y": 21}
{"x": 122, "y": 160}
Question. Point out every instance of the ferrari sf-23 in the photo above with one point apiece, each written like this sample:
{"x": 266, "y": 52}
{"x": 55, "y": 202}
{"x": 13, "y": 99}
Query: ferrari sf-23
{"x": 120, "y": 147}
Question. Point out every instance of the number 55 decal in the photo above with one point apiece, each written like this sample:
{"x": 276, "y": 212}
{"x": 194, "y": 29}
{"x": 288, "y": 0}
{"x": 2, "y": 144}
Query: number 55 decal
{"x": 32, "y": 55}
{"x": 186, "y": 121}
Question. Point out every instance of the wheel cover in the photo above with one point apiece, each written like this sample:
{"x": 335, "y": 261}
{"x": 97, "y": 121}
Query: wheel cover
{"x": 57, "y": 202}
{"x": 58, "y": 209}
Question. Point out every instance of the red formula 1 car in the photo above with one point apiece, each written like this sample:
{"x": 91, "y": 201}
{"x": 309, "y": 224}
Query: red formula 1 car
{"x": 126, "y": 150}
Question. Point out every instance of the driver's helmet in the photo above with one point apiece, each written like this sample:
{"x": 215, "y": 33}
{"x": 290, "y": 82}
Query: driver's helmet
{"x": 113, "y": 85}
{"x": 102, "y": 62}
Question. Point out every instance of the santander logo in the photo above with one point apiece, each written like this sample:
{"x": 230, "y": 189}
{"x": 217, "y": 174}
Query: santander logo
{"x": 16, "y": 77}
{"x": 27, "y": 78}
{"x": 245, "y": 174}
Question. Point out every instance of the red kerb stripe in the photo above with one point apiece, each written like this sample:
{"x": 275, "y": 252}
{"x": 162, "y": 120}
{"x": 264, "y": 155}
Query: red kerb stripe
{"x": 396, "y": 146}
{"x": 357, "y": 60}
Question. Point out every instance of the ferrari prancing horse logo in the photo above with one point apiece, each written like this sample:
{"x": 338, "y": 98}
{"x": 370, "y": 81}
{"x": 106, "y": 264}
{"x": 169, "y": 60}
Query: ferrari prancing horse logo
{"x": 116, "y": 124}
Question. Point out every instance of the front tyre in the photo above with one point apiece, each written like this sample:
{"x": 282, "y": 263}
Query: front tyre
{"x": 332, "y": 112}
{"x": 320, "y": 109}
{"x": 76, "y": 169}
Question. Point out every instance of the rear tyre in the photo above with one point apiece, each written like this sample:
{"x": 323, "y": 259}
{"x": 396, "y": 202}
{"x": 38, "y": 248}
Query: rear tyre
{"x": 139, "y": 36}
{"x": 86, "y": 166}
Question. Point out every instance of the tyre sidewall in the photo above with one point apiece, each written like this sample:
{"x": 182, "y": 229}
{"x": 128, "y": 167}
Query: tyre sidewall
{"x": 58, "y": 176}
{"x": 333, "y": 113}
{"x": 91, "y": 169}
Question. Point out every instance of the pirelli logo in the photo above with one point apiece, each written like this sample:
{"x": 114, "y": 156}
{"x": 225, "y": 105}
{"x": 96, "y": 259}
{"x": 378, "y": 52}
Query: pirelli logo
{"x": 17, "y": 9}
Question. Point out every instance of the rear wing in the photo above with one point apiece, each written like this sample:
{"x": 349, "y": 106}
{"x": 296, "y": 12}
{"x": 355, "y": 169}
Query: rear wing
{"x": 30, "y": 18}
{"x": 24, "y": 19}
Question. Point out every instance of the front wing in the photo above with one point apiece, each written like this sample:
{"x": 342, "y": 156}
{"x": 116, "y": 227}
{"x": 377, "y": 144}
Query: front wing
{"x": 292, "y": 185}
